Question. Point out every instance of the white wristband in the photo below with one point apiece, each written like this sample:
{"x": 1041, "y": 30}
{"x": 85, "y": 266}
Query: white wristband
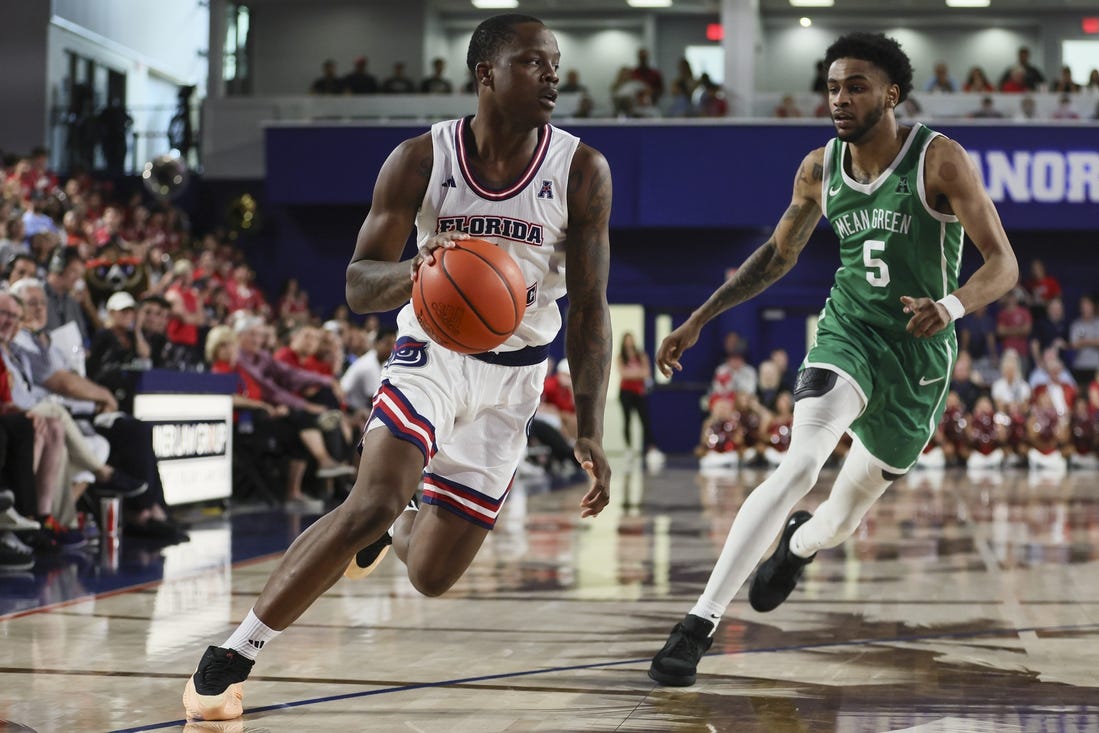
{"x": 953, "y": 306}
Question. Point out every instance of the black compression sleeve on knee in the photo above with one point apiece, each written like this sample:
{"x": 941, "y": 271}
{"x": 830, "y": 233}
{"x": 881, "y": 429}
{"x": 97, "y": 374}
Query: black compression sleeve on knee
{"x": 813, "y": 382}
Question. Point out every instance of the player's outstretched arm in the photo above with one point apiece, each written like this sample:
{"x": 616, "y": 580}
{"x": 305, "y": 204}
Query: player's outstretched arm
{"x": 953, "y": 185}
{"x": 762, "y": 268}
{"x": 376, "y": 278}
{"x": 588, "y": 332}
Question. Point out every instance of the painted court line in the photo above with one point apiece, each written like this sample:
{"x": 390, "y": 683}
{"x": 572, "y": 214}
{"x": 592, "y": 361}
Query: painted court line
{"x": 619, "y": 663}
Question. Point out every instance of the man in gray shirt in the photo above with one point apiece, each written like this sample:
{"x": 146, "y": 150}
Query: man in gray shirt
{"x": 1083, "y": 336}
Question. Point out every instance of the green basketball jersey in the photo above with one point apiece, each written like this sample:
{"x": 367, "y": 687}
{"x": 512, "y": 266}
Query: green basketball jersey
{"x": 892, "y": 242}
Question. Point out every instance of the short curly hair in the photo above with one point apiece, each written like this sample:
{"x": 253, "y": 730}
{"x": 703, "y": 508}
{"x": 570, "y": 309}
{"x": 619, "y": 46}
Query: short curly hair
{"x": 492, "y": 35}
{"x": 880, "y": 50}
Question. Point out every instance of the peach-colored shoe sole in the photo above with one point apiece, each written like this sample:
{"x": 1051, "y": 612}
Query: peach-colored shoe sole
{"x": 226, "y": 706}
{"x": 354, "y": 572}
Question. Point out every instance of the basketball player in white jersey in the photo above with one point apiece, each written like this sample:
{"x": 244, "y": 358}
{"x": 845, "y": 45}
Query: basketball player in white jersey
{"x": 456, "y": 422}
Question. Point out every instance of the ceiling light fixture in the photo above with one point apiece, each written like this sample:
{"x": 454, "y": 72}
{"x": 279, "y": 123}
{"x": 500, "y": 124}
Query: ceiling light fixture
{"x": 812, "y": 3}
{"x": 649, "y": 3}
{"x": 968, "y": 3}
{"x": 806, "y": 22}
{"x": 495, "y": 4}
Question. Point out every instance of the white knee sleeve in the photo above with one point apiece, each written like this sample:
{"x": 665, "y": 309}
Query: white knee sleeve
{"x": 859, "y": 484}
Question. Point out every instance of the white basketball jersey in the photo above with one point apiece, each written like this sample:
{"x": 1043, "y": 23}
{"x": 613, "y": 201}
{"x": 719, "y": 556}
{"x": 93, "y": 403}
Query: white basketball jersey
{"x": 528, "y": 219}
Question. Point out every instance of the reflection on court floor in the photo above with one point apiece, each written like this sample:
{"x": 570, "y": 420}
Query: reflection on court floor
{"x": 964, "y": 602}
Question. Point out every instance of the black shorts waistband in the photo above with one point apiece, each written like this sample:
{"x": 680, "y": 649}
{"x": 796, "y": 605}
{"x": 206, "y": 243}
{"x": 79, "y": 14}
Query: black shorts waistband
{"x": 527, "y": 356}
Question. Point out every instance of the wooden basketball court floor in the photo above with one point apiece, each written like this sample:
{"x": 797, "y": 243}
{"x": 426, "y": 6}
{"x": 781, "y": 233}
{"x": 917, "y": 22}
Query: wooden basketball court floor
{"x": 963, "y": 603}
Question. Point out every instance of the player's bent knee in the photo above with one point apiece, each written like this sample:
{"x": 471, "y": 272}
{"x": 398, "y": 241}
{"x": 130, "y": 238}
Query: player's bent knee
{"x": 432, "y": 581}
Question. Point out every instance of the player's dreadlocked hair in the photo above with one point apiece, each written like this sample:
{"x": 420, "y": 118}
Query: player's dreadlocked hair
{"x": 880, "y": 50}
{"x": 492, "y": 35}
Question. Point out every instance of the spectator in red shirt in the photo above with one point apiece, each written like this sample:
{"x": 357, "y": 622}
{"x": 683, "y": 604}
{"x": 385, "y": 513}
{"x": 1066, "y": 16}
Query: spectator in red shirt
{"x": 652, "y": 77}
{"x": 188, "y": 316}
{"x": 293, "y": 302}
{"x": 1013, "y": 326}
{"x": 558, "y": 404}
{"x": 243, "y": 295}
{"x": 304, "y": 342}
{"x": 1041, "y": 287}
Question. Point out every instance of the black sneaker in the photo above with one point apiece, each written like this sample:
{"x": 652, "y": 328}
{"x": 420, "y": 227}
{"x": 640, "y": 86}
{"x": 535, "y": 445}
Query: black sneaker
{"x": 677, "y": 663}
{"x": 216, "y": 690}
{"x": 779, "y": 574}
{"x": 368, "y": 558}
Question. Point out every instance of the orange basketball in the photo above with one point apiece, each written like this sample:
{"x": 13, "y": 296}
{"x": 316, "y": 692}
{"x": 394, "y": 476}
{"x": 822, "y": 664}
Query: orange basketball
{"x": 472, "y": 298}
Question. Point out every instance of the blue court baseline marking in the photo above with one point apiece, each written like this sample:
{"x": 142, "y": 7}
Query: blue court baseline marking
{"x": 596, "y": 665}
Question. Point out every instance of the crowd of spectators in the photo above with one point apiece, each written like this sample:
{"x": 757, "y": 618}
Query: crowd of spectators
{"x": 1024, "y": 391}
{"x": 96, "y": 286}
{"x": 640, "y": 91}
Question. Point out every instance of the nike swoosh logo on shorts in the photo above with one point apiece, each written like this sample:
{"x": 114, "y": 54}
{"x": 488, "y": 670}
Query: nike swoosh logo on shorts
{"x": 834, "y": 191}
{"x": 924, "y": 381}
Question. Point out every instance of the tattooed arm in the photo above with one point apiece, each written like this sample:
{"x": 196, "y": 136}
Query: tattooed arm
{"x": 588, "y": 332}
{"x": 376, "y": 278}
{"x": 772, "y": 260}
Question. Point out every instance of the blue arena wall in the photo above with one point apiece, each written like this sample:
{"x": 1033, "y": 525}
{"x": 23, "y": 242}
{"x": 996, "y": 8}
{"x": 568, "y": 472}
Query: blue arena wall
{"x": 690, "y": 202}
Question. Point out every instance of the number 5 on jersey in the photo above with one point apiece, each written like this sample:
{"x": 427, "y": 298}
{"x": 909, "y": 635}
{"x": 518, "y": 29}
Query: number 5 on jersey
{"x": 877, "y": 272}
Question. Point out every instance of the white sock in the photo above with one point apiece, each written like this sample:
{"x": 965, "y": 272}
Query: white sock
{"x": 250, "y": 637}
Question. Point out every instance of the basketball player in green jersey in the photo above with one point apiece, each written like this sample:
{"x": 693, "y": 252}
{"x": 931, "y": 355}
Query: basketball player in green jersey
{"x": 898, "y": 198}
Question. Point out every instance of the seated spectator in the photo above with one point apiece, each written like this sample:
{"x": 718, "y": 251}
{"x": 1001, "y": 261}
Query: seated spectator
{"x": 558, "y": 407}
{"x": 23, "y": 266}
{"x": 293, "y": 302}
{"x": 643, "y": 106}
{"x": 1083, "y": 336}
{"x": 779, "y": 425}
{"x": 67, "y": 294}
{"x": 769, "y": 384}
{"x": 152, "y": 322}
{"x": 437, "y": 83}
{"x": 1064, "y": 109}
{"x": 679, "y": 102}
{"x": 987, "y": 110}
{"x": 712, "y": 101}
{"x": 119, "y": 346}
{"x": 282, "y": 384}
{"x": 294, "y": 431}
{"x": 130, "y": 440}
{"x": 572, "y": 83}
{"x": 734, "y": 375}
{"x": 986, "y": 436}
{"x": 977, "y": 337}
{"x": 361, "y": 380}
{"x": 188, "y": 317}
{"x": 303, "y": 345}
{"x": 359, "y": 81}
{"x": 1093, "y": 81}
{"x": 1064, "y": 83}
{"x": 1040, "y": 287}
{"x": 1013, "y": 326}
{"x": 722, "y": 442}
{"x": 243, "y": 293}
{"x": 965, "y": 382}
{"x": 1014, "y": 82}
{"x": 1022, "y": 74}
{"x": 12, "y": 240}
{"x": 976, "y": 81}
{"x": 1010, "y": 392}
{"x": 329, "y": 82}
{"x": 1028, "y": 109}
{"x": 1047, "y": 433}
{"x": 1050, "y": 330}
{"x": 788, "y": 107}
{"x": 398, "y": 83}
{"x": 1051, "y": 376}
{"x": 941, "y": 81}
{"x": 1082, "y": 450}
